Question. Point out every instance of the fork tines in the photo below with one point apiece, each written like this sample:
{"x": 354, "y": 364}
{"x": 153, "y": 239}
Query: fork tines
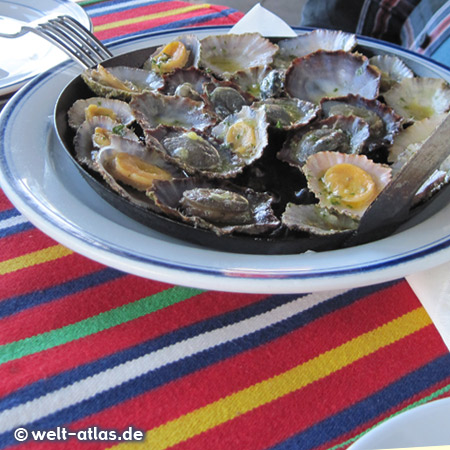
{"x": 71, "y": 37}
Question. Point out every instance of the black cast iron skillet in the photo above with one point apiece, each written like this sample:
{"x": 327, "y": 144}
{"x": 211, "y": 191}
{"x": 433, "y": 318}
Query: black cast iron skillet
{"x": 280, "y": 241}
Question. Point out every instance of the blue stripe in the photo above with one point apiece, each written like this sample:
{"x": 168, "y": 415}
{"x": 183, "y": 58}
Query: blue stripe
{"x": 178, "y": 24}
{"x": 371, "y": 407}
{"x": 19, "y": 303}
{"x": 113, "y": 7}
{"x": 8, "y": 213}
{"x": 24, "y": 226}
{"x": 180, "y": 368}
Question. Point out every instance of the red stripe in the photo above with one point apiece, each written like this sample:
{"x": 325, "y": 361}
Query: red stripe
{"x": 247, "y": 368}
{"x": 93, "y": 347}
{"x": 149, "y": 24}
{"x": 35, "y": 278}
{"x": 5, "y": 204}
{"x": 141, "y": 11}
{"x": 23, "y": 243}
{"x": 76, "y": 307}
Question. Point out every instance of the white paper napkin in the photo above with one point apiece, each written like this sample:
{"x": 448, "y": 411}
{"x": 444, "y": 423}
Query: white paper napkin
{"x": 261, "y": 20}
{"x": 432, "y": 287}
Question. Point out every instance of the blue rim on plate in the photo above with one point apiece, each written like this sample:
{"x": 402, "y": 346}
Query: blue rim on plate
{"x": 200, "y": 267}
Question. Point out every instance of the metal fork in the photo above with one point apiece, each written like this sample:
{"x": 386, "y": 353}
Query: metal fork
{"x": 71, "y": 37}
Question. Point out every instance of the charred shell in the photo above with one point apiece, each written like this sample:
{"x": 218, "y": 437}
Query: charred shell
{"x": 334, "y": 134}
{"x": 331, "y": 74}
{"x": 221, "y": 208}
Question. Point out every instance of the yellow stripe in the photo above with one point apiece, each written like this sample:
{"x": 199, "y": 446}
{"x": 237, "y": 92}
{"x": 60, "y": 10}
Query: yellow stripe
{"x": 259, "y": 394}
{"x": 34, "y": 258}
{"x": 173, "y": 12}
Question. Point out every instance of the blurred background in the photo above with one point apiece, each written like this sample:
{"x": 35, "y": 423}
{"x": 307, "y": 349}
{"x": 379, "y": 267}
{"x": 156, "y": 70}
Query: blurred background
{"x": 288, "y": 10}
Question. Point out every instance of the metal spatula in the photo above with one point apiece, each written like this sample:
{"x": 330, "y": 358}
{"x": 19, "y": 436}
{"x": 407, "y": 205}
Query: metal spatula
{"x": 392, "y": 207}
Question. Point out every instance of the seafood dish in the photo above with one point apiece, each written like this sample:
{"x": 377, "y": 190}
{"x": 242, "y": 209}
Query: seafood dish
{"x": 238, "y": 135}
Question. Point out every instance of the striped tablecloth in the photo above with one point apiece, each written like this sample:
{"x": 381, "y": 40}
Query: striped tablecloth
{"x": 87, "y": 351}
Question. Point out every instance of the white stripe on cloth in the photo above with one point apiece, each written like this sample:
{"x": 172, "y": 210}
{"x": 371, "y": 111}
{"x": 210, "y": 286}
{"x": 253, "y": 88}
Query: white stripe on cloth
{"x": 101, "y": 8}
{"x": 12, "y": 222}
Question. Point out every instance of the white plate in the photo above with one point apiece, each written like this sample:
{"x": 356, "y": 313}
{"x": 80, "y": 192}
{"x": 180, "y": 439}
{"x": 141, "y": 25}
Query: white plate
{"x": 41, "y": 181}
{"x": 423, "y": 426}
{"x": 29, "y": 55}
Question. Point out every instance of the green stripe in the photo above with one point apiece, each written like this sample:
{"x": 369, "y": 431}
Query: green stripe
{"x": 422, "y": 401}
{"x": 95, "y": 324}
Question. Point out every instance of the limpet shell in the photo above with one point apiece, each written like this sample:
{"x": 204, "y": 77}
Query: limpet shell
{"x": 288, "y": 113}
{"x": 393, "y": 70}
{"x": 225, "y": 98}
{"x": 102, "y": 164}
{"x": 77, "y": 112}
{"x": 307, "y": 43}
{"x": 84, "y": 144}
{"x": 194, "y": 152}
{"x": 192, "y": 46}
{"x": 226, "y": 54}
{"x": 121, "y": 82}
{"x": 233, "y": 131}
{"x": 419, "y": 98}
{"x": 260, "y": 82}
{"x": 317, "y": 220}
{"x": 153, "y": 109}
{"x": 412, "y": 138}
{"x": 168, "y": 196}
{"x": 383, "y": 122}
{"x": 336, "y": 133}
{"x": 331, "y": 74}
{"x": 191, "y": 77}
{"x": 316, "y": 167}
